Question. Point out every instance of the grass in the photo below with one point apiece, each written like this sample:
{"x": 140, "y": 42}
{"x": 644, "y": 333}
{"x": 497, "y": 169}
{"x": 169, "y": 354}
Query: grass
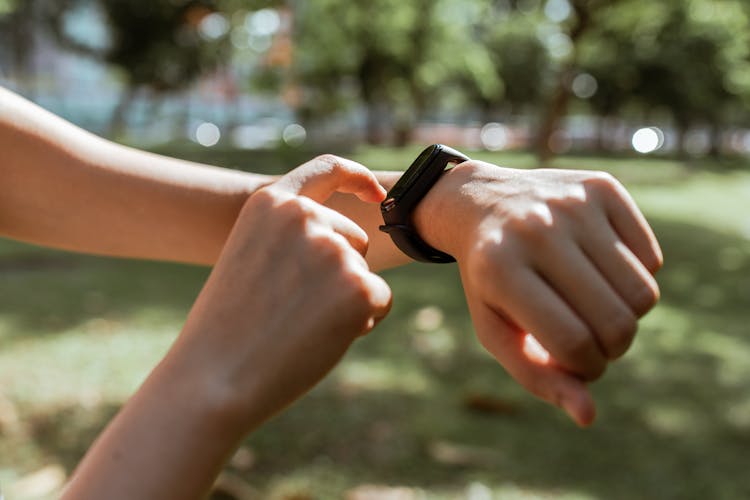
{"x": 417, "y": 403}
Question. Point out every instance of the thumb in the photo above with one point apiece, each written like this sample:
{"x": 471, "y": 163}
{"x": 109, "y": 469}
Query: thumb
{"x": 523, "y": 358}
{"x": 321, "y": 177}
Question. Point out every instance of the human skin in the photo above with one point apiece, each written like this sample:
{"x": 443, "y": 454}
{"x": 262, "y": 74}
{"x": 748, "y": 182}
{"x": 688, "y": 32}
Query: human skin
{"x": 259, "y": 336}
{"x": 565, "y": 255}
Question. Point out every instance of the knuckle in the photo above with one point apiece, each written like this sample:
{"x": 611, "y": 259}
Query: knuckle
{"x": 578, "y": 345}
{"x": 356, "y": 293}
{"x": 644, "y": 298}
{"x": 327, "y": 250}
{"x": 533, "y": 228}
{"x": 595, "y": 371}
{"x": 264, "y": 196}
{"x": 296, "y": 210}
{"x": 572, "y": 207}
{"x": 492, "y": 260}
{"x": 602, "y": 182}
{"x": 601, "y": 179}
{"x": 619, "y": 334}
{"x": 262, "y": 200}
{"x": 329, "y": 159}
{"x": 654, "y": 262}
{"x": 358, "y": 242}
{"x": 577, "y": 354}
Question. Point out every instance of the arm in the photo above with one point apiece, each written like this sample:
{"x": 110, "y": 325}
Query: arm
{"x": 243, "y": 354}
{"x": 576, "y": 237}
{"x": 66, "y": 188}
{"x": 557, "y": 267}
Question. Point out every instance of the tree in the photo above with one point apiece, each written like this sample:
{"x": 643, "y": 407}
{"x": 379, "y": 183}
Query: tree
{"x": 371, "y": 52}
{"x": 506, "y": 69}
{"x": 690, "y": 59}
{"x": 160, "y": 45}
{"x": 584, "y": 14}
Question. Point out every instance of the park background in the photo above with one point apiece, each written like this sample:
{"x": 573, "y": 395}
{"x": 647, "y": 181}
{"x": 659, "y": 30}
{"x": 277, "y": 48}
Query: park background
{"x": 656, "y": 93}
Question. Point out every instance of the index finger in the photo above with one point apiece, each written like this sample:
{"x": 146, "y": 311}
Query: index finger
{"x": 321, "y": 177}
{"x": 628, "y": 221}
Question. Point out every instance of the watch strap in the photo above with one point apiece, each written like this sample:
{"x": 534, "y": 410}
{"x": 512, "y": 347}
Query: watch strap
{"x": 397, "y": 214}
{"x": 409, "y": 242}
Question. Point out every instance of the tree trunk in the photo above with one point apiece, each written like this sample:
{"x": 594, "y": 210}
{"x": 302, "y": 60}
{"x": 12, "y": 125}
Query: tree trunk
{"x": 554, "y": 113}
{"x": 558, "y": 104}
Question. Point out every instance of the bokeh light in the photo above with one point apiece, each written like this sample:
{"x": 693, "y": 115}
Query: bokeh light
{"x": 494, "y": 136}
{"x": 207, "y": 134}
{"x": 559, "y": 45}
{"x": 584, "y": 86}
{"x": 647, "y": 140}
{"x": 294, "y": 135}
{"x": 264, "y": 22}
{"x": 557, "y": 11}
{"x": 214, "y": 26}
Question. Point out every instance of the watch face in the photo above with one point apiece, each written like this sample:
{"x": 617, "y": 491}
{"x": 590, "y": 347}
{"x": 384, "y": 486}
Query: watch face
{"x": 412, "y": 174}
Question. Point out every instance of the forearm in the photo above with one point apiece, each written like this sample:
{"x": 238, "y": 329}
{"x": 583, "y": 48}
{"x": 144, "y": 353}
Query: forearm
{"x": 169, "y": 441}
{"x": 63, "y": 187}
{"x": 66, "y": 188}
{"x": 243, "y": 356}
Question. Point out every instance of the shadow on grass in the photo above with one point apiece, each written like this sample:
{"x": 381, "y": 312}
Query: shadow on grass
{"x": 44, "y": 292}
{"x": 706, "y": 272}
{"x": 675, "y": 413}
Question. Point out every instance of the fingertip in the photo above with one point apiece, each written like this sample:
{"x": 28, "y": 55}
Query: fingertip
{"x": 381, "y": 193}
{"x": 382, "y": 296}
{"x": 375, "y": 194}
{"x": 580, "y": 407}
{"x": 658, "y": 261}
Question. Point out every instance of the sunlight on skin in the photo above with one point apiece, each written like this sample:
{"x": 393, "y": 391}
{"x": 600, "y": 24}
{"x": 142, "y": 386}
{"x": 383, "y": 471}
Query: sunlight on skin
{"x": 534, "y": 350}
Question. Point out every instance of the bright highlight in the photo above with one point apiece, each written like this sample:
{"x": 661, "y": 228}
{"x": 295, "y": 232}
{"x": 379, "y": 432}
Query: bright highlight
{"x": 648, "y": 140}
{"x": 534, "y": 350}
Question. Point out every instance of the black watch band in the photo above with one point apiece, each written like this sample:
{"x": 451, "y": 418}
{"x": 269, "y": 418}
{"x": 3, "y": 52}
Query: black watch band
{"x": 403, "y": 198}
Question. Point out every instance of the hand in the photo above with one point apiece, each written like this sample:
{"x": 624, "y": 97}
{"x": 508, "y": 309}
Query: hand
{"x": 290, "y": 292}
{"x": 557, "y": 267}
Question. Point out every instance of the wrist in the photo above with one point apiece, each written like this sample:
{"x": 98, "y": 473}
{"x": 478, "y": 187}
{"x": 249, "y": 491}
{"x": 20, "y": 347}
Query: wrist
{"x": 437, "y": 218}
{"x": 204, "y": 392}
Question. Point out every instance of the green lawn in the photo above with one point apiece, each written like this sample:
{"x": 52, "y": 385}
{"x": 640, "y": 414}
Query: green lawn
{"x": 416, "y": 404}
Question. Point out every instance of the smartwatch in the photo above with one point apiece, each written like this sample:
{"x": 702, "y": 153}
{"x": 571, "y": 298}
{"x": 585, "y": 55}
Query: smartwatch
{"x": 403, "y": 198}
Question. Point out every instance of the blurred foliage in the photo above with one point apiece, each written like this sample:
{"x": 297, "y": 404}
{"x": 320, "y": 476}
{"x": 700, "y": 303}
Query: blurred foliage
{"x": 383, "y": 54}
{"x": 682, "y": 63}
{"x": 157, "y": 44}
{"x": 690, "y": 60}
